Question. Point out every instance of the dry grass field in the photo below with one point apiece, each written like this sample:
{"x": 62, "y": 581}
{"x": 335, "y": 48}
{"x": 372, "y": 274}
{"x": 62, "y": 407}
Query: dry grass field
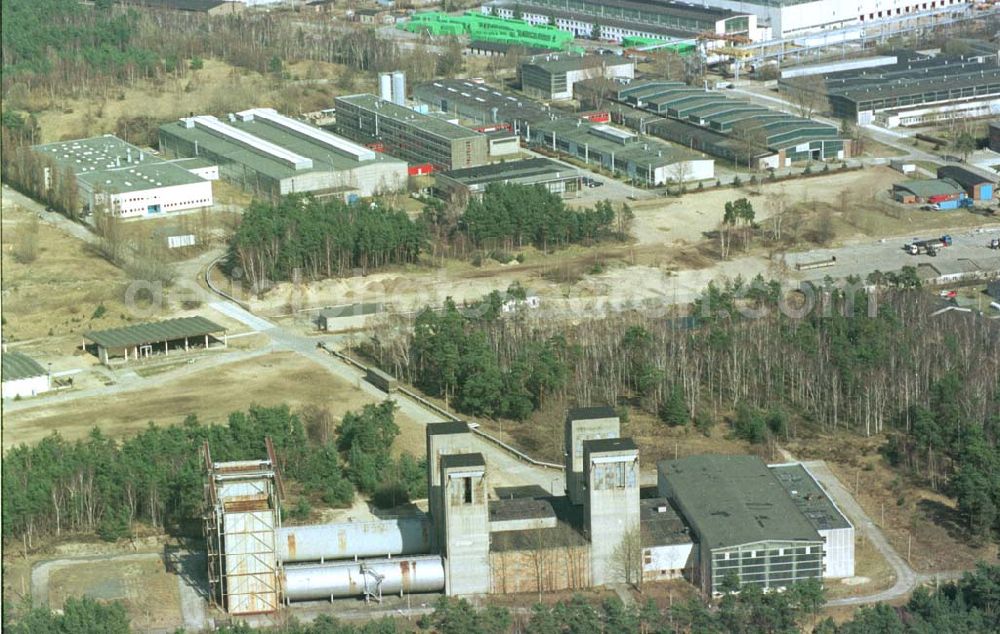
{"x": 57, "y": 293}
{"x": 210, "y": 394}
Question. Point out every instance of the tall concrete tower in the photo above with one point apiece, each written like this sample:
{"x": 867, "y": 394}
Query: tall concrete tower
{"x": 611, "y": 508}
{"x": 466, "y": 523}
{"x": 442, "y": 439}
{"x": 585, "y": 423}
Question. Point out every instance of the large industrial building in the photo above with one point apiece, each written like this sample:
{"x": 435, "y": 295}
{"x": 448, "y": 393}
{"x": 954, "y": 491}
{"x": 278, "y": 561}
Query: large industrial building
{"x": 745, "y": 523}
{"x": 473, "y": 181}
{"x": 268, "y": 153}
{"x": 552, "y": 76}
{"x": 402, "y": 132}
{"x": 643, "y": 159}
{"x": 699, "y": 119}
{"x": 124, "y": 180}
{"x": 708, "y": 516}
{"x": 789, "y": 18}
{"x": 916, "y": 90}
{"x": 620, "y": 19}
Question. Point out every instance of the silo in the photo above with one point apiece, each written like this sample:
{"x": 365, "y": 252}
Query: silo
{"x": 399, "y": 87}
{"x": 385, "y": 86}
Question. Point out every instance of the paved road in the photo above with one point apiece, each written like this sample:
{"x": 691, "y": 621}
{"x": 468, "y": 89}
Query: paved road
{"x": 906, "y": 578}
{"x": 514, "y": 472}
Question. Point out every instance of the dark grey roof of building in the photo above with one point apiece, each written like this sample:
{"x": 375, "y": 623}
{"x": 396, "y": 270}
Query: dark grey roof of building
{"x": 462, "y": 460}
{"x": 661, "y": 524}
{"x": 449, "y": 427}
{"x": 500, "y": 47}
{"x": 601, "y": 445}
{"x": 17, "y": 365}
{"x": 965, "y": 177}
{"x": 560, "y": 536}
{"x": 511, "y": 170}
{"x": 155, "y": 332}
{"x": 810, "y": 497}
{"x": 555, "y": 63}
{"x": 432, "y": 125}
{"x": 520, "y": 509}
{"x": 733, "y": 500}
{"x": 179, "y": 5}
{"x": 909, "y": 77}
{"x": 590, "y": 413}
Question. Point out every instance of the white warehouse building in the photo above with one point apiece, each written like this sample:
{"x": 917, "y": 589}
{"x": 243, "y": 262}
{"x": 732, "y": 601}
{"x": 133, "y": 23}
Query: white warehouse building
{"x": 790, "y": 18}
{"x": 23, "y": 376}
{"x": 125, "y": 180}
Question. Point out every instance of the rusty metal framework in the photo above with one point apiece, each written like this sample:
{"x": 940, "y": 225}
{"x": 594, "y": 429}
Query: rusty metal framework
{"x": 242, "y": 502}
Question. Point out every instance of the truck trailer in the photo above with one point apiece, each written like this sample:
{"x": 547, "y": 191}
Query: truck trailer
{"x": 930, "y": 247}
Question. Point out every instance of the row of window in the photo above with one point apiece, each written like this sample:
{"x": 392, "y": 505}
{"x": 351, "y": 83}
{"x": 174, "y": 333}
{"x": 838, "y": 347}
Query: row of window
{"x": 904, "y": 10}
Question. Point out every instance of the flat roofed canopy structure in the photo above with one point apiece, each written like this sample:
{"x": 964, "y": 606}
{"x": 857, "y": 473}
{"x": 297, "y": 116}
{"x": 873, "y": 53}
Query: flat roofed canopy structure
{"x": 144, "y": 340}
{"x": 17, "y": 365}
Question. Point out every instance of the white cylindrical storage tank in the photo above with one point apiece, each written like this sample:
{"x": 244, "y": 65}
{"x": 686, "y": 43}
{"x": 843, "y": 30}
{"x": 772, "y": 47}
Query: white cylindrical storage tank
{"x": 409, "y": 575}
{"x": 399, "y": 87}
{"x": 403, "y": 536}
{"x": 385, "y": 86}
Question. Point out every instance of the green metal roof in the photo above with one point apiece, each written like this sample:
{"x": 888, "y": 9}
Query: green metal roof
{"x": 928, "y": 188}
{"x": 810, "y": 497}
{"x": 734, "y": 500}
{"x": 17, "y": 365}
{"x": 154, "y": 332}
{"x": 645, "y": 152}
{"x": 114, "y": 166}
{"x": 324, "y": 158}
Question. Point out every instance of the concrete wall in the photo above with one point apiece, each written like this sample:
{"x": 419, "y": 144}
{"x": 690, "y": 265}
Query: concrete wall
{"x": 577, "y": 431}
{"x": 441, "y": 445}
{"x": 466, "y": 530}
{"x": 540, "y": 570}
{"x": 686, "y": 171}
{"x": 838, "y": 553}
{"x": 367, "y": 179}
{"x": 611, "y": 514}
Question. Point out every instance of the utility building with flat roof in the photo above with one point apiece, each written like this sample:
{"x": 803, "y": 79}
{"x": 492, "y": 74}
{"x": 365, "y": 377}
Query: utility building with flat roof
{"x": 124, "y": 180}
{"x": 268, "y": 153}
{"x": 641, "y": 158}
{"x": 551, "y": 76}
{"x": 410, "y": 135}
{"x": 744, "y": 521}
{"x": 472, "y": 182}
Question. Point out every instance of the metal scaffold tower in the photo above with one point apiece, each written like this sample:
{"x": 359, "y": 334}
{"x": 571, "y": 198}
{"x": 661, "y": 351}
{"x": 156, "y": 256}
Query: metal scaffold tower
{"x": 241, "y": 516}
